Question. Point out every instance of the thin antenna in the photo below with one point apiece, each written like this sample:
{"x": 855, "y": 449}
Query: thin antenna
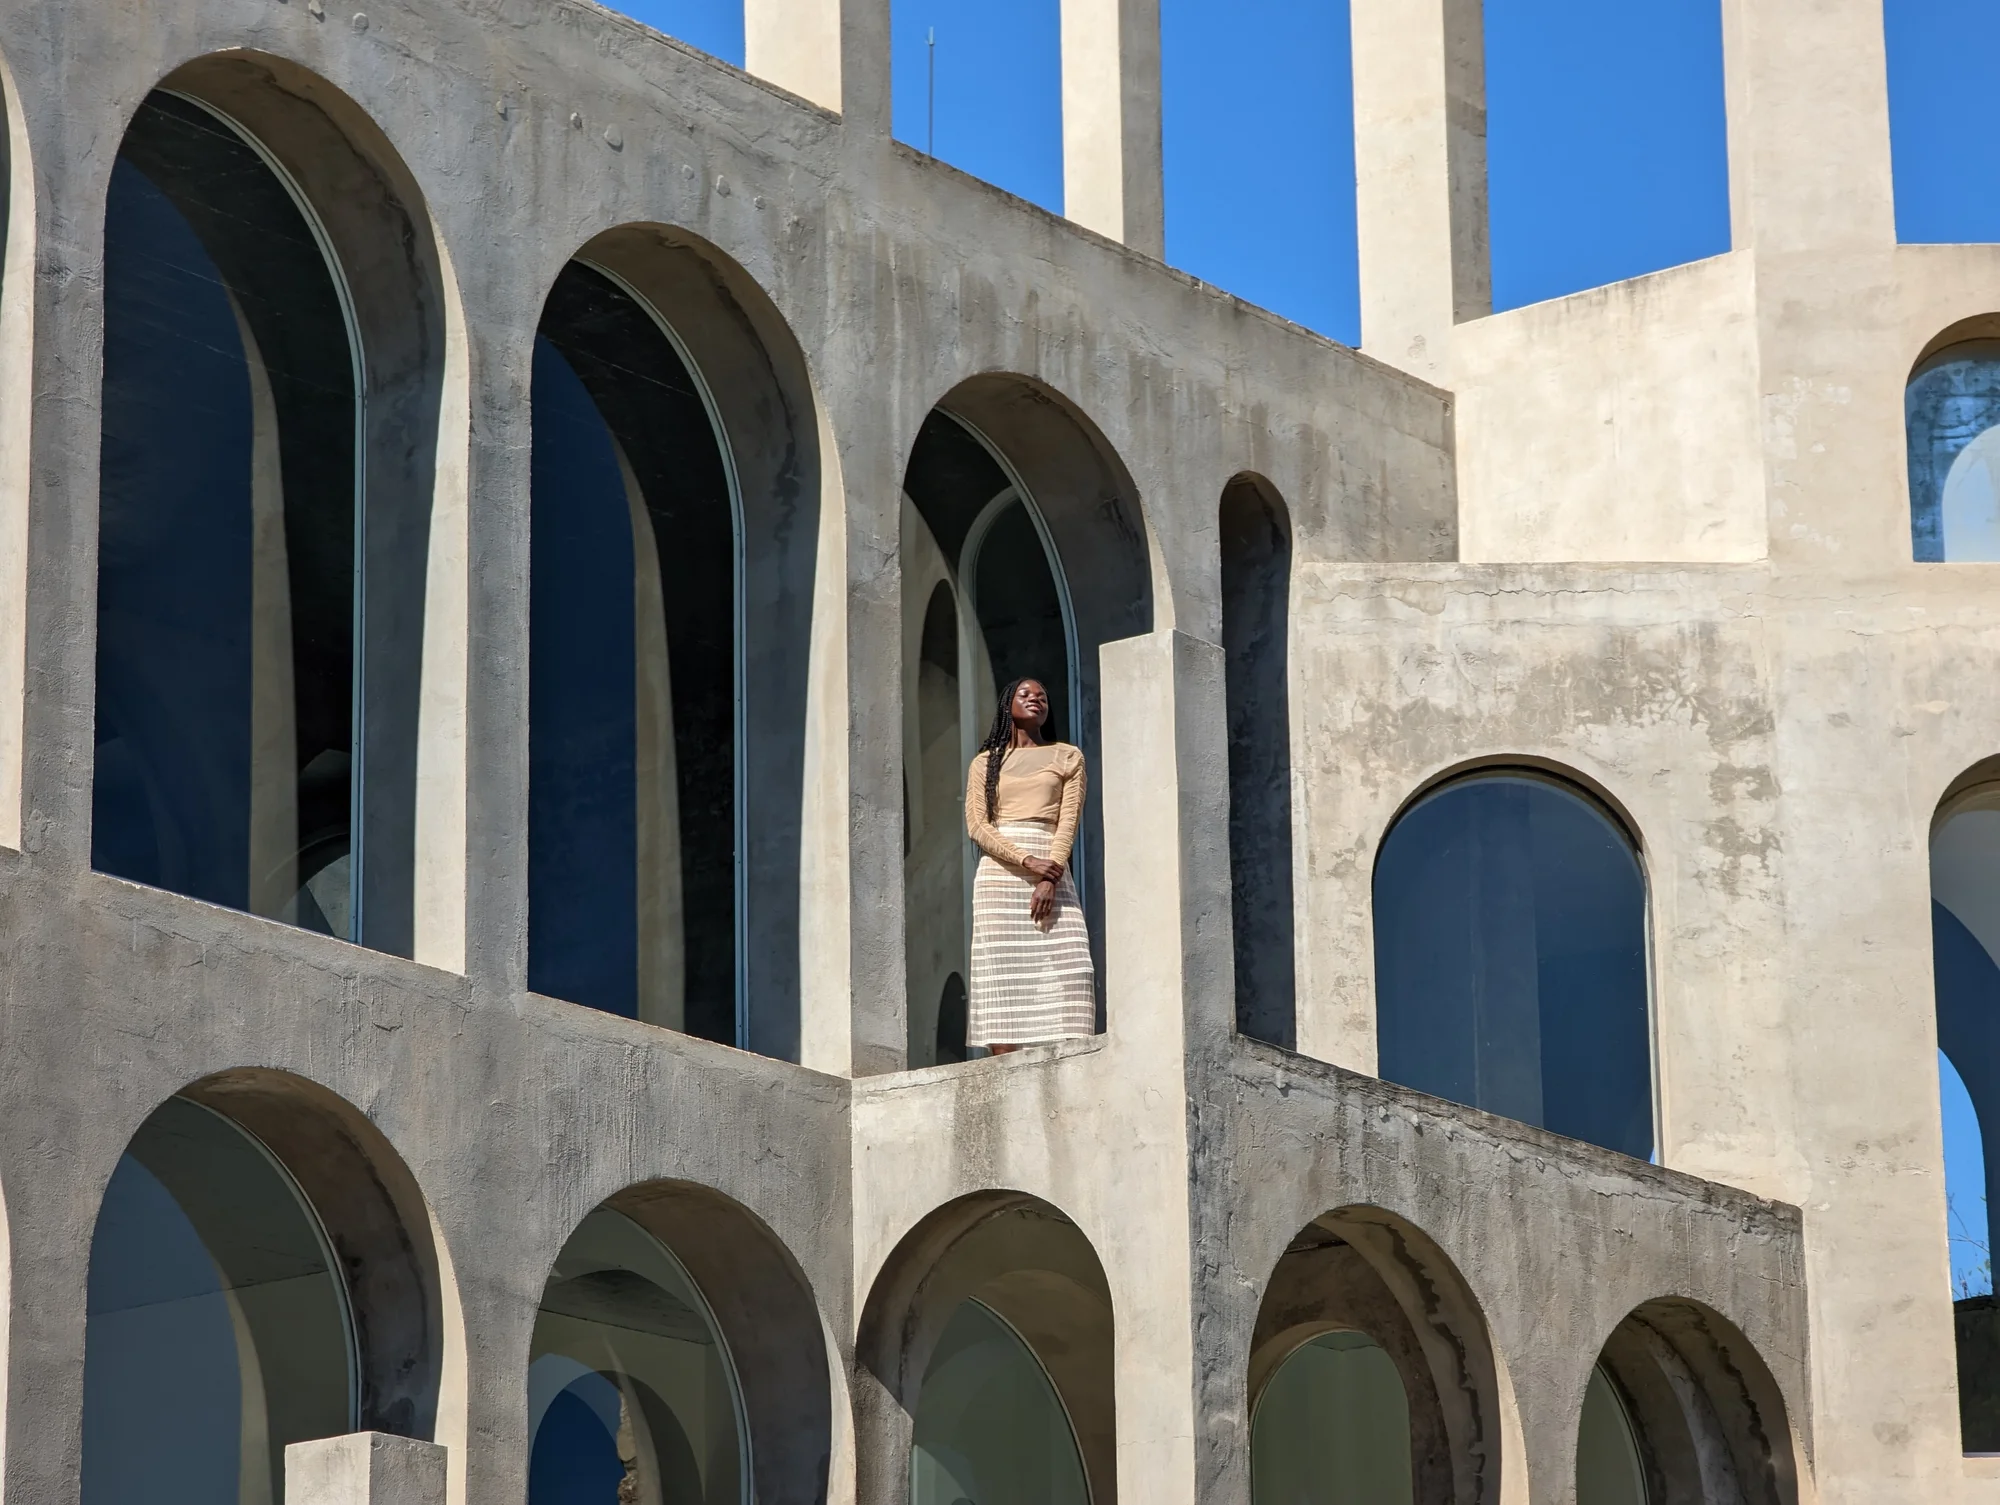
{"x": 930, "y": 102}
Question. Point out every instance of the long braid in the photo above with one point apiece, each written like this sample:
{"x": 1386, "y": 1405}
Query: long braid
{"x": 998, "y": 740}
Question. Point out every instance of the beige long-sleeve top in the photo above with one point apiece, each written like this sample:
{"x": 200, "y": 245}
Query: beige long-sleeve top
{"x": 1043, "y": 784}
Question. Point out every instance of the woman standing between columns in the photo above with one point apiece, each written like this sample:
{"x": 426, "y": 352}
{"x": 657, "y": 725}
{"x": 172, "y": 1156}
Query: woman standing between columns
{"x": 1032, "y": 978}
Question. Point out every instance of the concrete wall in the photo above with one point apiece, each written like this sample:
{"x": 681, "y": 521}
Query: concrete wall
{"x": 1775, "y": 712}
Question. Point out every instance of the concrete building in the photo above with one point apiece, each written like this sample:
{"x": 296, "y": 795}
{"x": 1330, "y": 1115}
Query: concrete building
{"x": 495, "y": 1084}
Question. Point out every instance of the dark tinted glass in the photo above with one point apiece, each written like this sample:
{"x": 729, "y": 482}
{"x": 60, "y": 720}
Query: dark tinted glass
{"x": 1510, "y": 959}
{"x": 217, "y": 1328}
{"x": 631, "y": 674}
{"x": 1952, "y": 413}
{"x": 226, "y": 542}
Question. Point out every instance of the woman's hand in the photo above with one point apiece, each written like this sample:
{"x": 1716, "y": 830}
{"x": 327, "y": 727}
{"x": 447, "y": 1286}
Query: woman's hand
{"x": 1042, "y": 870}
{"x": 1042, "y": 906}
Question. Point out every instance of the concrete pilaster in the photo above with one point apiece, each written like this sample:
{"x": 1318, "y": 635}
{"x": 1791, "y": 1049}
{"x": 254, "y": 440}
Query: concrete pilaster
{"x": 1420, "y": 176}
{"x": 832, "y": 52}
{"x": 365, "y": 1468}
{"x": 1112, "y": 179}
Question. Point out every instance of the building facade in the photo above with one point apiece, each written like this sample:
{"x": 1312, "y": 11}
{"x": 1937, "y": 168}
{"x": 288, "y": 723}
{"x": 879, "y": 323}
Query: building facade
{"x": 508, "y": 530}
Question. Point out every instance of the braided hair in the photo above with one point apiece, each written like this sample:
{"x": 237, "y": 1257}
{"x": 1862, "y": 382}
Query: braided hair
{"x": 998, "y": 740}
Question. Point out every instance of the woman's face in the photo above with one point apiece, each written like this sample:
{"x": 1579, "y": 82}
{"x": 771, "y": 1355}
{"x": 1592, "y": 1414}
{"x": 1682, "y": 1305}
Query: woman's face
{"x": 1031, "y": 704}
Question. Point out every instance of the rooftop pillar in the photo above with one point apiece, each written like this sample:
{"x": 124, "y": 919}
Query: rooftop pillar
{"x": 832, "y": 52}
{"x": 1112, "y": 180}
{"x": 1420, "y": 176}
{"x": 1808, "y": 93}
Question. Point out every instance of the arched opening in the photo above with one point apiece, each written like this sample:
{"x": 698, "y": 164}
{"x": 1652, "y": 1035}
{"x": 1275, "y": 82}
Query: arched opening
{"x": 1951, "y": 414}
{"x": 677, "y": 1356}
{"x": 1256, "y": 540}
{"x": 1511, "y": 957}
{"x": 673, "y": 526}
{"x": 273, "y": 340}
{"x": 1965, "y": 940}
{"x": 935, "y": 942}
{"x": 257, "y": 1278}
{"x": 988, "y": 1342}
{"x": 1371, "y": 1375}
{"x": 1680, "y": 1406}
{"x": 1016, "y": 510}
{"x": 631, "y": 1392}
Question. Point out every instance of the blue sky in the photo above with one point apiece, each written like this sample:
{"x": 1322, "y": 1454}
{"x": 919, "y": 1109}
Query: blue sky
{"x": 1606, "y": 149}
{"x": 1606, "y": 138}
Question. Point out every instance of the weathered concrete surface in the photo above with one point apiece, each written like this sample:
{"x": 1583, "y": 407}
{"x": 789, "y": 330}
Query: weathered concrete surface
{"x": 1776, "y": 731}
{"x": 365, "y": 1468}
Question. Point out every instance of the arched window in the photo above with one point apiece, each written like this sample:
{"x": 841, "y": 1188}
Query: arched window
{"x": 631, "y": 1391}
{"x": 1256, "y": 584}
{"x": 1609, "y": 1468}
{"x": 1332, "y": 1425}
{"x": 229, "y": 705}
{"x": 989, "y": 1425}
{"x": 934, "y": 931}
{"x": 1965, "y": 936}
{"x": 633, "y": 769}
{"x": 218, "y": 1328}
{"x": 1952, "y": 413}
{"x": 1510, "y": 957}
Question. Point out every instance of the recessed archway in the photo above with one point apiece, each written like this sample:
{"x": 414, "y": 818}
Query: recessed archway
{"x": 986, "y": 1362}
{"x": 1680, "y": 1409}
{"x": 1511, "y": 955}
{"x": 1366, "y": 1318}
{"x": 1018, "y": 510}
{"x": 674, "y": 535}
{"x": 261, "y": 1273}
{"x": 678, "y": 1354}
{"x": 275, "y": 330}
{"x": 1951, "y": 423}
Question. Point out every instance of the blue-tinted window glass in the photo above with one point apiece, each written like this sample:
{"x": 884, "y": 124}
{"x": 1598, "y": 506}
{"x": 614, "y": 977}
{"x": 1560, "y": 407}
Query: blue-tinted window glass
{"x": 631, "y": 673}
{"x": 226, "y": 542}
{"x": 1952, "y": 413}
{"x": 1510, "y": 959}
{"x": 217, "y": 1329}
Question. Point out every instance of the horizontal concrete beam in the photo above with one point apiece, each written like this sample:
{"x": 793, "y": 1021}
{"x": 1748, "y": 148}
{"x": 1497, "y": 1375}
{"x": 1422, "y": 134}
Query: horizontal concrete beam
{"x": 364, "y": 1468}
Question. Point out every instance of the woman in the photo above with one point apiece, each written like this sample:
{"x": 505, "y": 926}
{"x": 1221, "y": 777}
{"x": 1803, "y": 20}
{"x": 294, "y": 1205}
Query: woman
{"x": 1031, "y": 971}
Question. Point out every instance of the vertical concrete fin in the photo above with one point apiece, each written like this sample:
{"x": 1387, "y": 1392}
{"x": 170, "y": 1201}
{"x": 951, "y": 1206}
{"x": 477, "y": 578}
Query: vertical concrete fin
{"x": 1169, "y": 963}
{"x": 1112, "y": 180}
{"x": 1807, "y": 86}
{"x": 1420, "y": 176}
{"x": 364, "y": 1468}
{"x": 833, "y": 52}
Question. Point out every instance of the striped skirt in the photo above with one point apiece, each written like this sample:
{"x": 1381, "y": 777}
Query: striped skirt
{"x": 1030, "y": 982}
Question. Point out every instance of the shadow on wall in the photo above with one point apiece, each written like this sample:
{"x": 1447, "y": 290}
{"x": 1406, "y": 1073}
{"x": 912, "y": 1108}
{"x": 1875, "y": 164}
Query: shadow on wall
{"x": 986, "y": 1362}
{"x": 261, "y": 1273}
{"x": 1951, "y": 416}
{"x": 1023, "y": 549}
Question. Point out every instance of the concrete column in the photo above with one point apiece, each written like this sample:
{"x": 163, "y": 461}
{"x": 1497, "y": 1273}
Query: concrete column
{"x": 364, "y": 1468}
{"x": 1420, "y": 176}
{"x": 1808, "y": 93}
{"x": 832, "y": 52}
{"x": 1169, "y": 950}
{"x": 1112, "y": 179}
